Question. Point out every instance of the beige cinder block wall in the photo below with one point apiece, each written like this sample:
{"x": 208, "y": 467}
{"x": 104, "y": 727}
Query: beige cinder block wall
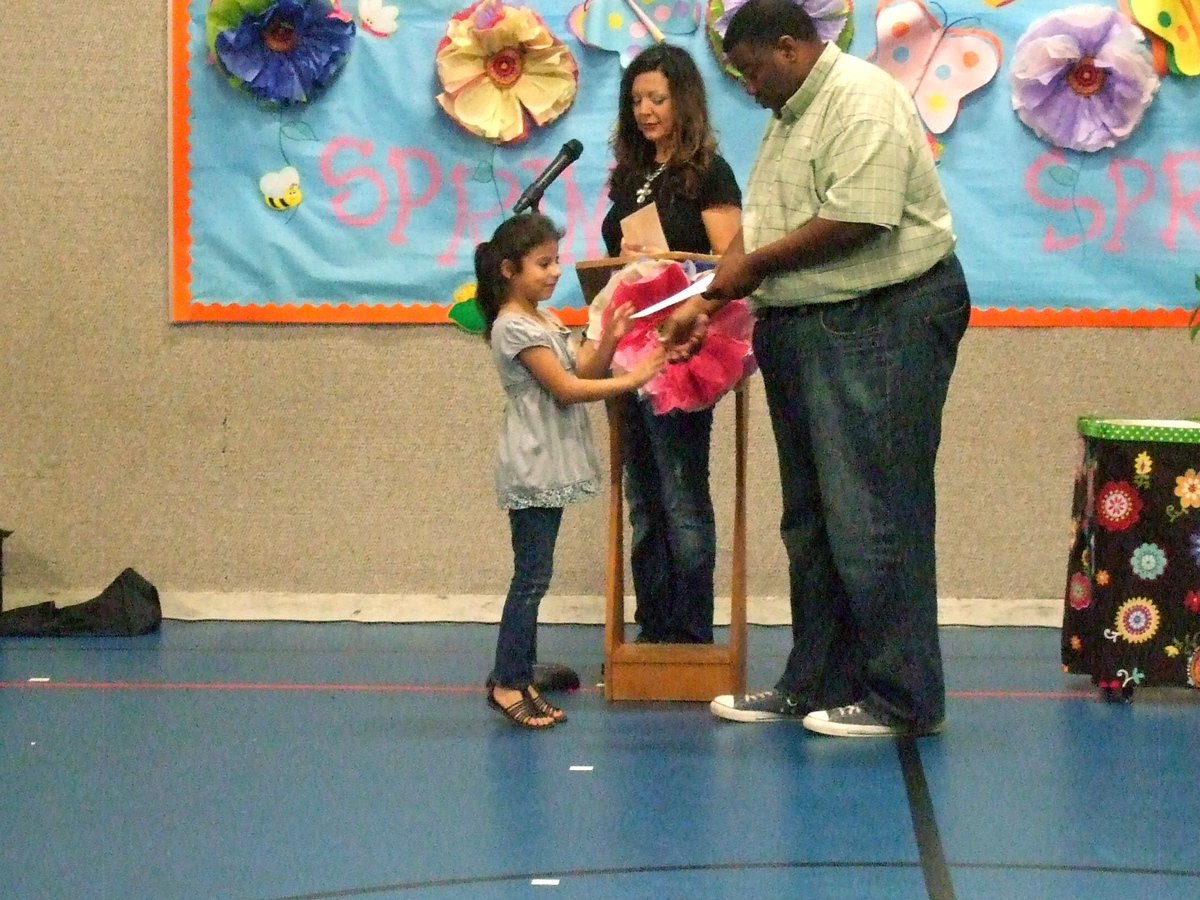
{"x": 357, "y": 459}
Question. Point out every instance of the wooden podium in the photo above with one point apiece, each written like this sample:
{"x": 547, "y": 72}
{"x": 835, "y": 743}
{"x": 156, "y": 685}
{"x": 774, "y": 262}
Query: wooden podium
{"x": 668, "y": 671}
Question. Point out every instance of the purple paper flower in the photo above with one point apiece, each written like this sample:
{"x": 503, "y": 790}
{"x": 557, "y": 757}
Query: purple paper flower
{"x": 1082, "y": 78}
{"x": 829, "y": 16}
{"x": 287, "y": 53}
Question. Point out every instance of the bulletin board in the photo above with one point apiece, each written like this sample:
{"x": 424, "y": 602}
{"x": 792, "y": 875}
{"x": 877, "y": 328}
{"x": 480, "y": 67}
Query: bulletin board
{"x": 392, "y": 193}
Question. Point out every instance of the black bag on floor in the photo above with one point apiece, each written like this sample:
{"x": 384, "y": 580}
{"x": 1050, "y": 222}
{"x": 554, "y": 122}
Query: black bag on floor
{"x": 128, "y": 606}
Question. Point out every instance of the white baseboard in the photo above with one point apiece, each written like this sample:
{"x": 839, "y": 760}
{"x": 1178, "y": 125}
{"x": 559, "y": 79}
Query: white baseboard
{"x": 555, "y": 609}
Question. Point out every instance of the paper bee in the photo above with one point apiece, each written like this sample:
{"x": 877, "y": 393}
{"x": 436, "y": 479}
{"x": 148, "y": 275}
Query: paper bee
{"x": 281, "y": 190}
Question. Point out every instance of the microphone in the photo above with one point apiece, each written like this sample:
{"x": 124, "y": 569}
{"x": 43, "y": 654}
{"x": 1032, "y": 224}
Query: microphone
{"x": 533, "y": 194}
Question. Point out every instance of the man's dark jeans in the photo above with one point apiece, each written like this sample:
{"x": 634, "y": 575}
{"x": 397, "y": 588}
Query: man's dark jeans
{"x": 856, "y": 391}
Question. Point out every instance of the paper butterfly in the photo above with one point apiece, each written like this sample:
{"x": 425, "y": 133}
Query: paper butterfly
{"x": 377, "y": 18}
{"x": 629, "y": 26}
{"x": 1178, "y": 23}
{"x": 937, "y": 64}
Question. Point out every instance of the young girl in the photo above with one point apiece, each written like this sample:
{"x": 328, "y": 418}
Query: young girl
{"x": 546, "y": 455}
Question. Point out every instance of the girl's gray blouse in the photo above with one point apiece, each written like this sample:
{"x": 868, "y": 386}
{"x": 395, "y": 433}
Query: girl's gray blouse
{"x": 547, "y": 453}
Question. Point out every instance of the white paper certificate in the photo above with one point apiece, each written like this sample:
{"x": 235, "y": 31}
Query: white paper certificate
{"x": 696, "y": 287}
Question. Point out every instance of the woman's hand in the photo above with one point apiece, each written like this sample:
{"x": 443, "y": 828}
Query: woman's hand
{"x": 628, "y": 249}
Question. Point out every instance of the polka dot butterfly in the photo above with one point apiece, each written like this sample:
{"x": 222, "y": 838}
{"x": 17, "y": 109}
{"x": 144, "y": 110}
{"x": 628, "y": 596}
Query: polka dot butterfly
{"x": 937, "y": 64}
{"x": 628, "y": 26}
{"x": 1178, "y": 23}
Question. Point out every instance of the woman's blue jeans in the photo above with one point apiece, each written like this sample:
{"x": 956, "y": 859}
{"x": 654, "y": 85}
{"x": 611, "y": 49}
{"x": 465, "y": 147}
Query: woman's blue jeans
{"x": 534, "y": 533}
{"x": 856, "y": 391}
{"x": 673, "y": 542}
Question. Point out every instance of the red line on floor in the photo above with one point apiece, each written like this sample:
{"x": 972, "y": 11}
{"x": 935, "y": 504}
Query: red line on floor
{"x": 232, "y": 686}
{"x": 1018, "y": 694}
{"x": 429, "y": 688}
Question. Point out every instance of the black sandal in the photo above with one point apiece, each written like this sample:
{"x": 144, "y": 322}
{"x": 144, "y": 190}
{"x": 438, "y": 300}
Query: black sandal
{"x": 520, "y": 712}
{"x": 543, "y": 706}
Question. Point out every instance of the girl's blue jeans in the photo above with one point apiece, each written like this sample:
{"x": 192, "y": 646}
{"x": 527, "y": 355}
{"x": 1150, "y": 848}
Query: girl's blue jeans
{"x": 855, "y": 392}
{"x": 534, "y": 533}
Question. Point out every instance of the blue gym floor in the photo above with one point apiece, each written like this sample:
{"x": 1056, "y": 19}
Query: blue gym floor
{"x": 266, "y": 760}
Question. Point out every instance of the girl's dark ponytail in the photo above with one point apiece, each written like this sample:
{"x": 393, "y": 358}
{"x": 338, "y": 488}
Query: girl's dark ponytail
{"x": 489, "y": 285}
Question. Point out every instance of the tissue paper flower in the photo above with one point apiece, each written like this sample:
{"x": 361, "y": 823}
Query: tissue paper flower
{"x": 723, "y": 361}
{"x": 500, "y": 68}
{"x": 283, "y": 52}
{"x": 831, "y": 17}
{"x": 834, "y": 20}
{"x": 1082, "y": 78}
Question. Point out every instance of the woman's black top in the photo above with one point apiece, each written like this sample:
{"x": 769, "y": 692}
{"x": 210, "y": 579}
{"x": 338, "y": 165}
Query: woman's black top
{"x": 679, "y": 214}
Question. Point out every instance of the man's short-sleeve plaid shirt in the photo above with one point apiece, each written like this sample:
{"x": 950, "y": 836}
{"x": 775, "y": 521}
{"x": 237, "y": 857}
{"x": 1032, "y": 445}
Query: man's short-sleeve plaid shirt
{"x": 847, "y": 146}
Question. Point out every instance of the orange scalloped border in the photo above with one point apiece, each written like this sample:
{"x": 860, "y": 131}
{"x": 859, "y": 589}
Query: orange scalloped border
{"x": 339, "y": 313}
{"x": 1092, "y": 318}
{"x": 179, "y": 181}
{"x": 439, "y": 314}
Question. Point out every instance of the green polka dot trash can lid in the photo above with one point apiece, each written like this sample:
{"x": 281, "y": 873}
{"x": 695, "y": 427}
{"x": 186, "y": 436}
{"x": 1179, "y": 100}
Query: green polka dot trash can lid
{"x": 1164, "y": 431}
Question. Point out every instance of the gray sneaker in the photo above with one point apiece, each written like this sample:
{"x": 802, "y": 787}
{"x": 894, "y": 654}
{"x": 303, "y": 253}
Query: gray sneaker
{"x": 854, "y": 721}
{"x": 765, "y": 706}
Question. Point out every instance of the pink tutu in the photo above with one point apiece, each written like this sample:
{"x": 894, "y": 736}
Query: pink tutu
{"x": 724, "y": 359}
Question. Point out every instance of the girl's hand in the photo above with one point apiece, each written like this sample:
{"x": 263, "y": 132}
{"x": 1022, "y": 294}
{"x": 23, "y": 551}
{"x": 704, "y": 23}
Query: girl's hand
{"x": 621, "y": 322}
{"x": 649, "y": 366}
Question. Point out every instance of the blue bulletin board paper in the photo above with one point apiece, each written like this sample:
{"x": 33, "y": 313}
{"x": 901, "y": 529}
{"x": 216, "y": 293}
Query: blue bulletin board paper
{"x": 396, "y": 194}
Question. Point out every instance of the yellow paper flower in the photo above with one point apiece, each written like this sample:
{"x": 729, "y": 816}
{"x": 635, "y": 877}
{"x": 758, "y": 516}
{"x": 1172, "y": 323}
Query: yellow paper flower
{"x": 1187, "y": 489}
{"x": 465, "y": 291}
{"x": 1142, "y": 463}
{"x": 500, "y": 68}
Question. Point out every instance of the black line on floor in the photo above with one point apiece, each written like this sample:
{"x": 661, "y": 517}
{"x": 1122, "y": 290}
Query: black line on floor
{"x": 591, "y": 873}
{"x": 723, "y": 867}
{"x": 1094, "y": 870}
{"x": 929, "y": 842}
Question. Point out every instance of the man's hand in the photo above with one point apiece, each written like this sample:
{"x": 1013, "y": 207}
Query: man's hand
{"x": 736, "y": 277}
{"x": 682, "y": 332}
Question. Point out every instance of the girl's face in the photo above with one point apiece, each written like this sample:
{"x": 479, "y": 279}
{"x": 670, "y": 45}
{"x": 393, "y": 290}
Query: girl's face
{"x": 650, "y": 96}
{"x": 538, "y": 275}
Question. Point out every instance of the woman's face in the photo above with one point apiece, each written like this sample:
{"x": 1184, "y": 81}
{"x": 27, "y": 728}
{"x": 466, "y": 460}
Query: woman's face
{"x": 650, "y": 97}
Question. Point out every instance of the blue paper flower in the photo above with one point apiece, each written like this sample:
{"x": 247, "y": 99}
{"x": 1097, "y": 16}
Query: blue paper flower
{"x": 284, "y": 52}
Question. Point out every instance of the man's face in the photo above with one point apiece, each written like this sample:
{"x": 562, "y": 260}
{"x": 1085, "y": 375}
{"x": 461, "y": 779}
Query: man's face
{"x": 765, "y": 74}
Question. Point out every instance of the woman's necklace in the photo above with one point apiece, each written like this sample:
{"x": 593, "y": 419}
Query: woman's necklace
{"x": 643, "y": 193}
